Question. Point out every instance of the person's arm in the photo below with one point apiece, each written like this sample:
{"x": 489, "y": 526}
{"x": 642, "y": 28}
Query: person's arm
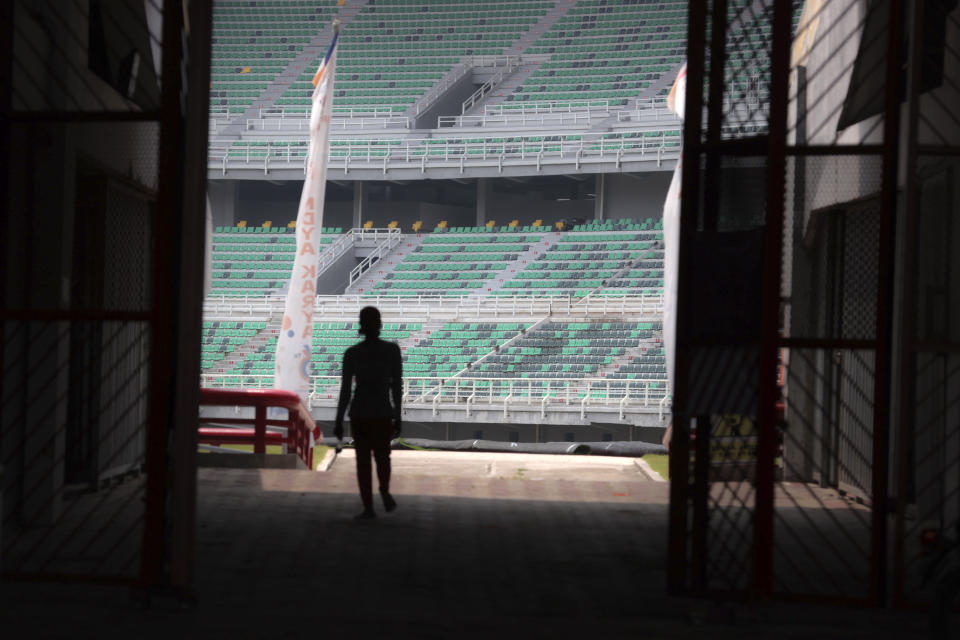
{"x": 396, "y": 382}
{"x": 345, "y": 388}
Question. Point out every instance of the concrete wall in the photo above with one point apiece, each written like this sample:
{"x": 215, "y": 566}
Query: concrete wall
{"x": 449, "y": 104}
{"x": 334, "y": 280}
{"x": 638, "y": 195}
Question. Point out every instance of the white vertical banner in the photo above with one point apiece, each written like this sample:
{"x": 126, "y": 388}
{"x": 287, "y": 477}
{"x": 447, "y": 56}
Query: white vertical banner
{"x": 295, "y": 343}
{"x": 676, "y": 102}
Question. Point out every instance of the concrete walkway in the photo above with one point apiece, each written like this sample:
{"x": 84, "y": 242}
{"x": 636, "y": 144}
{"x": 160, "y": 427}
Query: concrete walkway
{"x": 482, "y": 545}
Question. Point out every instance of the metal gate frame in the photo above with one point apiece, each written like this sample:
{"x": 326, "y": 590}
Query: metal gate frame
{"x": 175, "y": 297}
{"x": 689, "y": 547}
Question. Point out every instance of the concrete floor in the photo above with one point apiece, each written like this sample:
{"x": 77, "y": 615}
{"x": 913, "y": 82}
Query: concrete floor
{"x": 482, "y": 545}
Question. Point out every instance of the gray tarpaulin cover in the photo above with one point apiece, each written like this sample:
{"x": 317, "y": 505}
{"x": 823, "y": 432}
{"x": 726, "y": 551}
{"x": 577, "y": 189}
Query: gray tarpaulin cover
{"x": 618, "y": 448}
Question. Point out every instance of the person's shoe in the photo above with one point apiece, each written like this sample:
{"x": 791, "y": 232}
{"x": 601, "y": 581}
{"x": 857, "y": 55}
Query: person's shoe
{"x": 389, "y": 504}
{"x": 366, "y": 514}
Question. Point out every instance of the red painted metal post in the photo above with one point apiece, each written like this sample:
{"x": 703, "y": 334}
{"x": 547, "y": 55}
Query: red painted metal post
{"x": 260, "y": 430}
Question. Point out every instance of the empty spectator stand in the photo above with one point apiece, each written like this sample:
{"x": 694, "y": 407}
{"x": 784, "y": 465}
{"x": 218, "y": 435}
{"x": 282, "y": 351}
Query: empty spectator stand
{"x": 254, "y": 40}
{"x": 255, "y": 261}
{"x": 394, "y": 51}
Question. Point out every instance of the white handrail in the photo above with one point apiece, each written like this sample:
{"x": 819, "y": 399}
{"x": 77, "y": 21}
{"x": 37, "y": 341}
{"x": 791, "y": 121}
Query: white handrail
{"x": 643, "y": 306}
{"x": 453, "y": 76}
{"x": 561, "y": 119}
{"x": 552, "y": 106}
{"x": 335, "y": 249}
{"x": 382, "y": 249}
{"x": 301, "y": 122}
{"x": 510, "y": 65}
{"x": 566, "y": 394}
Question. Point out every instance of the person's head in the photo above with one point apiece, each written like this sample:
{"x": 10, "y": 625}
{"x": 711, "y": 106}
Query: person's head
{"x": 370, "y": 323}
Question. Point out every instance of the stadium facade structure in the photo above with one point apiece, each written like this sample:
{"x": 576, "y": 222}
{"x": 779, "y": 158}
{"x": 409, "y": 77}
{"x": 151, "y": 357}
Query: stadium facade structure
{"x": 528, "y": 114}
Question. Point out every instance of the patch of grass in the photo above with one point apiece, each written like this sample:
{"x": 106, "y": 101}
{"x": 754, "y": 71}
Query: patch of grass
{"x": 319, "y": 451}
{"x": 271, "y": 448}
{"x": 660, "y": 463}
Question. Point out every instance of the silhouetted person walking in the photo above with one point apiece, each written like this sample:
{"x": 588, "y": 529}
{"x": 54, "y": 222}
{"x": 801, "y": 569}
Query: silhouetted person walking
{"x": 378, "y": 368}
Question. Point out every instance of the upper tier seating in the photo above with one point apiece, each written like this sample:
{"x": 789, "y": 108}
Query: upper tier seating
{"x": 254, "y": 40}
{"x": 394, "y": 51}
{"x": 605, "y": 52}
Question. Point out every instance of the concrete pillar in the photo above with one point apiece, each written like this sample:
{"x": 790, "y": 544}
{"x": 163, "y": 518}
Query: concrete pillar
{"x": 359, "y": 203}
{"x": 599, "y": 191}
{"x": 483, "y": 191}
{"x": 223, "y": 202}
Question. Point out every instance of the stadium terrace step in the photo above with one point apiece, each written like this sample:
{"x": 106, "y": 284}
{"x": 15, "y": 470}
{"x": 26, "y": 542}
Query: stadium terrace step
{"x": 387, "y": 265}
{"x": 496, "y": 282}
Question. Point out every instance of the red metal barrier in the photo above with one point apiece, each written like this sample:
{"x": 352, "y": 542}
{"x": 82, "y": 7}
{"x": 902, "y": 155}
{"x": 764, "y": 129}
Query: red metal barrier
{"x": 299, "y": 424}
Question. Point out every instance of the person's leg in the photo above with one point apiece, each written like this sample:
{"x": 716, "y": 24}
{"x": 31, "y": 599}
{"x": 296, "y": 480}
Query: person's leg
{"x": 381, "y": 453}
{"x": 362, "y": 442}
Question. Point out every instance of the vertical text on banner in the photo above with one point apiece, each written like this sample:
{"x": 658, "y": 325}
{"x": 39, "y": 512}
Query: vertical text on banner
{"x": 294, "y": 344}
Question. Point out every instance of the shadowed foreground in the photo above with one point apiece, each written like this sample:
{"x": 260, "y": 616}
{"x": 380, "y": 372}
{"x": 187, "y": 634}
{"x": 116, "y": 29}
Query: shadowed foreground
{"x": 505, "y": 544}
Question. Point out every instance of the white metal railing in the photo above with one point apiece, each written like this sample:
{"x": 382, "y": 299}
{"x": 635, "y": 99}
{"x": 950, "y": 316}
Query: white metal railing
{"x": 510, "y": 64}
{"x": 502, "y": 394}
{"x": 553, "y": 106}
{"x": 452, "y": 77}
{"x": 509, "y": 119}
{"x": 649, "y": 114}
{"x": 650, "y": 103}
{"x": 384, "y": 247}
{"x": 335, "y": 249}
{"x": 301, "y": 122}
{"x": 337, "y": 112}
{"x": 588, "y": 146}
{"x": 427, "y": 306}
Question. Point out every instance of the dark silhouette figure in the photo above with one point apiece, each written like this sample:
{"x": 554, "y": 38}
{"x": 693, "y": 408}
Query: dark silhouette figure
{"x": 374, "y": 421}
